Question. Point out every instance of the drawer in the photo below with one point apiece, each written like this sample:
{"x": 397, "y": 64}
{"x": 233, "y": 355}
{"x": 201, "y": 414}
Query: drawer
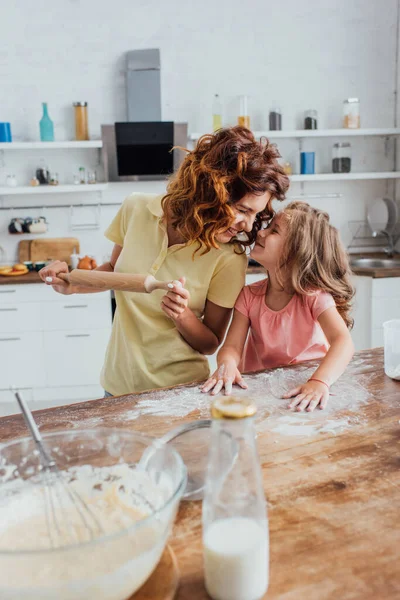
{"x": 386, "y": 287}
{"x": 384, "y": 309}
{"x": 77, "y": 312}
{"x": 75, "y": 357}
{"x": 27, "y": 292}
{"x": 22, "y": 360}
{"x": 20, "y": 317}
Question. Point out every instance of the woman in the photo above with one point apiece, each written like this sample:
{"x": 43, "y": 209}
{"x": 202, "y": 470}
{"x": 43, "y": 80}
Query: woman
{"x": 224, "y": 187}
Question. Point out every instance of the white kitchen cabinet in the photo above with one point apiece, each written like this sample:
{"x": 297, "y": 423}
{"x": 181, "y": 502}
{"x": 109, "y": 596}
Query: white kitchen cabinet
{"x": 74, "y": 355}
{"x": 52, "y": 346}
{"x": 22, "y": 360}
{"x": 376, "y": 301}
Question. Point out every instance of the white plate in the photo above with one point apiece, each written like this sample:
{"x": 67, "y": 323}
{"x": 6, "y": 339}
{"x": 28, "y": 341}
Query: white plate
{"x": 382, "y": 215}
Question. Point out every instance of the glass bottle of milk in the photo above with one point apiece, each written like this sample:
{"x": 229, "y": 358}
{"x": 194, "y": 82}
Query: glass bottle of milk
{"x": 235, "y": 522}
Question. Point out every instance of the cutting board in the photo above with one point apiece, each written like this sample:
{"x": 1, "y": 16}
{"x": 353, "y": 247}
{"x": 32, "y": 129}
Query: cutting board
{"x": 42, "y": 249}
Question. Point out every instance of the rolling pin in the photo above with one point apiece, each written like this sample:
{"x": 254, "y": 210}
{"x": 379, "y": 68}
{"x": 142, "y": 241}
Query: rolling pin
{"x": 108, "y": 280}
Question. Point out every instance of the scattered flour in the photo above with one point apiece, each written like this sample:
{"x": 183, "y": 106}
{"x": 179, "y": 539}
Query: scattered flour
{"x": 348, "y": 395}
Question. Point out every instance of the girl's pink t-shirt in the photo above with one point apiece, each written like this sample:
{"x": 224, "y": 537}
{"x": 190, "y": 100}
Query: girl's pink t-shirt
{"x": 283, "y": 337}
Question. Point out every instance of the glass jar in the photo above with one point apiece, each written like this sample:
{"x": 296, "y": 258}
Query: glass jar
{"x": 311, "y": 119}
{"x": 235, "y": 524}
{"x": 81, "y": 121}
{"x": 217, "y": 113}
{"x": 244, "y": 117}
{"x": 351, "y": 113}
{"x": 275, "y": 119}
{"x": 341, "y": 158}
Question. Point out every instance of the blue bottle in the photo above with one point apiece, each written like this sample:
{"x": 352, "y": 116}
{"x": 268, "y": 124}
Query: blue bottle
{"x": 46, "y": 126}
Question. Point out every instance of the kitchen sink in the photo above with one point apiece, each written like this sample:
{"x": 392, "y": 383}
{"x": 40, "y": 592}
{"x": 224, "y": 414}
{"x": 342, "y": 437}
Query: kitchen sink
{"x": 375, "y": 263}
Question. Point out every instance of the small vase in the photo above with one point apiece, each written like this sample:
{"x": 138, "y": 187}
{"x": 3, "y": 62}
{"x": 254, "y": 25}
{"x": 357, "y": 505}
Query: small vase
{"x": 46, "y": 126}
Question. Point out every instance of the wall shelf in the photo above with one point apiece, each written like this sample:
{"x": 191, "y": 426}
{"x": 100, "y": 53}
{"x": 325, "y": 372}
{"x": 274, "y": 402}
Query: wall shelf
{"x": 53, "y": 145}
{"x": 345, "y": 176}
{"x": 52, "y": 189}
{"x": 316, "y": 133}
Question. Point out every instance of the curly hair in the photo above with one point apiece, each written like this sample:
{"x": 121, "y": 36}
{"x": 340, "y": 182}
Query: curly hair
{"x": 220, "y": 171}
{"x": 315, "y": 257}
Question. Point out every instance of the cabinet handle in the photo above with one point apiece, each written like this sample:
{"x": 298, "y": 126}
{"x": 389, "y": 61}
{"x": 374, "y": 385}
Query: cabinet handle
{"x": 77, "y": 335}
{"x": 7, "y": 291}
{"x": 8, "y": 309}
{"x": 13, "y": 339}
{"x": 76, "y": 306}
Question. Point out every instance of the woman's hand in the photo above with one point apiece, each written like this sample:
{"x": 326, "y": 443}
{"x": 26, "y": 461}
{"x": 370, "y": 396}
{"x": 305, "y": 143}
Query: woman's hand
{"x": 308, "y": 396}
{"x": 175, "y": 303}
{"x": 52, "y": 271}
{"x": 225, "y": 376}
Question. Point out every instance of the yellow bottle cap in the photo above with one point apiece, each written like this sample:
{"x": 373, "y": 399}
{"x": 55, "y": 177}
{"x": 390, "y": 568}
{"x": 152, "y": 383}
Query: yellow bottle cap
{"x": 233, "y": 407}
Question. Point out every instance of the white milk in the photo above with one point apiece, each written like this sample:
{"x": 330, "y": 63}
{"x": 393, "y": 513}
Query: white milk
{"x": 236, "y": 555}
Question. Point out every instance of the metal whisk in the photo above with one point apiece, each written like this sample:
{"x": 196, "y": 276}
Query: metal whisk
{"x": 59, "y": 496}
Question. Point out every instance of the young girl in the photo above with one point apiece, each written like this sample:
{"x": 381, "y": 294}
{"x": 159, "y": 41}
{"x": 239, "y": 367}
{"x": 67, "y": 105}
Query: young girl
{"x": 299, "y": 312}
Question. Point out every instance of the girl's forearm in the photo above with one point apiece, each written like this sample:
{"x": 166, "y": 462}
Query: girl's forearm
{"x": 228, "y": 354}
{"x": 336, "y": 359}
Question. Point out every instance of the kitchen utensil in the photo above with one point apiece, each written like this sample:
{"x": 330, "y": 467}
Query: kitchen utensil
{"x": 163, "y": 583}
{"x": 382, "y": 215}
{"x": 43, "y": 249}
{"x": 57, "y": 491}
{"x": 104, "y": 280}
{"x": 104, "y": 462}
{"x": 192, "y": 441}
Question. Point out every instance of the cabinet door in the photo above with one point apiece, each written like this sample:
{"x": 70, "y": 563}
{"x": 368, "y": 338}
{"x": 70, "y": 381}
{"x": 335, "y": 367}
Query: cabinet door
{"x": 78, "y": 312}
{"x": 21, "y": 316}
{"x": 22, "y": 360}
{"x": 74, "y": 357}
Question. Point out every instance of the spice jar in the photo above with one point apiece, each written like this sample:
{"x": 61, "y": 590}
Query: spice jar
{"x": 275, "y": 119}
{"x": 341, "y": 158}
{"x": 81, "y": 121}
{"x": 351, "y": 113}
{"x": 244, "y": 117}
{"x": 311, "y": 119}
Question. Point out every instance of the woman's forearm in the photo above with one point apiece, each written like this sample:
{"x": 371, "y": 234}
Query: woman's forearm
{"x": 80, "y": 289}
{"x": 336, "y": 359}
{"x": 228, "y": 354}
{"x": 196, "y": 334}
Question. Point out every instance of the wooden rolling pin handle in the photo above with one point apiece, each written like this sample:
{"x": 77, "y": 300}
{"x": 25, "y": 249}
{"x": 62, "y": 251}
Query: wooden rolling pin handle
{"x": 108, "y": 280}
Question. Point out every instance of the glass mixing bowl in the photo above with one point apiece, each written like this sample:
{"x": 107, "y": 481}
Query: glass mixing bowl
{"x": 46, "y": 550}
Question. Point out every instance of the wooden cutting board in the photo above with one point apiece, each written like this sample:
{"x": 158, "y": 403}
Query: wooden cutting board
{"x": 42, "y": 249}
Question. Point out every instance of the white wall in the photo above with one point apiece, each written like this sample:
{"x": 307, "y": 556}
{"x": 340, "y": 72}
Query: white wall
{"x": 294, "y": 55}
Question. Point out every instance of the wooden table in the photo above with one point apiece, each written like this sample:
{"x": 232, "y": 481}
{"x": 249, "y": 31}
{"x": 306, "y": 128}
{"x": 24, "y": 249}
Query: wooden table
{"x": 333, "y": 498}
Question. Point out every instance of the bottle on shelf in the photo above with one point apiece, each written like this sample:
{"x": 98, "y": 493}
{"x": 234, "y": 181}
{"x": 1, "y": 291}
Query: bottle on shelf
{"x": 244, "y": 117}
{"x": 351, "y": 113}
{"x": 217, "y": 113}
{"x": 275, "y": 119}
{"x": 341, "y": 157}
{"x": 46, "y": 126}
{"x": 235, "y": 523}
{"x": 81, "y": 121}
{"x": 311, "y": 119}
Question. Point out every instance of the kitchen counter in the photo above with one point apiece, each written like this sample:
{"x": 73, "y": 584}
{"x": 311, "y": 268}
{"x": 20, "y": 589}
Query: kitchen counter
{"x": 32, "y": 277}
{"x": 332, "y": 483}
{"x": 375, "y": 273}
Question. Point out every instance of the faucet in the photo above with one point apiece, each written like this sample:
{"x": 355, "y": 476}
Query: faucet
{"x": 389, "y": 250}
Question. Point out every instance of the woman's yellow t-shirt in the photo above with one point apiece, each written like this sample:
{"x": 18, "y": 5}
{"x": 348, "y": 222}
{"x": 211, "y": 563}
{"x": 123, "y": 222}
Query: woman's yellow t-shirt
{"x": 146, "y": 350}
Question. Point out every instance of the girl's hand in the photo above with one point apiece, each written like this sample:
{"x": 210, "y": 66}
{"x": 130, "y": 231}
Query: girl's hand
{"x": 176, "y": 302}
{"x": 308, "y": 396}
{"x": 49, "y": 275}
{"x": 225, "y": 376}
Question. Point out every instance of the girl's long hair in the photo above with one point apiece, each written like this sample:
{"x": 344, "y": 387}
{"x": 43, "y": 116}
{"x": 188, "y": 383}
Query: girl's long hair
{"x": 315, "y": 257}
{"x": 220, "y": 171}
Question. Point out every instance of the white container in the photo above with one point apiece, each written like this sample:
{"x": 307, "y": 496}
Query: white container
{"x": 392, "y": 348}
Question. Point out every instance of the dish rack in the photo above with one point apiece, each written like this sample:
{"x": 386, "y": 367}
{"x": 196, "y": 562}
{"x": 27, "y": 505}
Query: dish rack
{"x": 363, "y": 240}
